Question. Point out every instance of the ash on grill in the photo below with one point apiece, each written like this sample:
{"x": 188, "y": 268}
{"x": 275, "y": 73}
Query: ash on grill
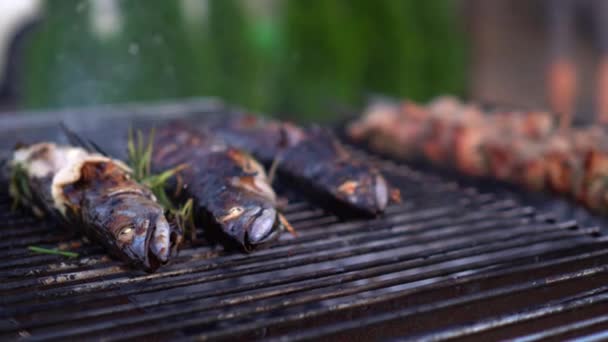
{"x": 449, "y": 262}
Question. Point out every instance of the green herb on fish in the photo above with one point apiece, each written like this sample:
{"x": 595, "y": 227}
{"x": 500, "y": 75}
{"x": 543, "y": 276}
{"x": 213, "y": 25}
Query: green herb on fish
{"x": 42, "y": 250}
{"x": 140, "y": 159}
{"x": 19, "y": 187}
{"x": 140, "y": 154}
{"x": 184, "y": 217}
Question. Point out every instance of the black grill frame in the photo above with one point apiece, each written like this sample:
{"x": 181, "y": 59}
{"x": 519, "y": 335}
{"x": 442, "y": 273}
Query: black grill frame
{"x": 450, "y": 262}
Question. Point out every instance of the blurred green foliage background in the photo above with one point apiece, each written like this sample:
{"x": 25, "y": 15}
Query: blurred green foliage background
{"x": 288, "y": 57}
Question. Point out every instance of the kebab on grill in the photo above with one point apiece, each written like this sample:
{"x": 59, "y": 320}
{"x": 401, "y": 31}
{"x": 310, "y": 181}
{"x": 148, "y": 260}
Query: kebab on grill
{"x": 232, "y": 195}
{"x": 97, "y": 195}
{"x": 515, "y": 146}
{"x": 315, "y": 160}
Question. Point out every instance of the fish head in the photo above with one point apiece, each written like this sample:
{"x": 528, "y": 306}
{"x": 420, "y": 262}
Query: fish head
{"x": 140, "y": 231}
{"x": 360, "y": 186}
{"x": 252, "y": 223}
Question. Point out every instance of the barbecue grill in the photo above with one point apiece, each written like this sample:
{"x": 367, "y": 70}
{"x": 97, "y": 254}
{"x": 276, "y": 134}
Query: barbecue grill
{"x": 452, "y": 261}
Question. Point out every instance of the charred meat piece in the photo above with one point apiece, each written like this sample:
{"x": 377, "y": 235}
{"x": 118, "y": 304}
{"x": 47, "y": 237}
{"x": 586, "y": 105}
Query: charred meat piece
{"x": 379, "y": 118}
{"x": 530, "y": 168}
{"x": 232, "y": 195}
{"x": 314, "y": 160}
{"x": 436, "y": 144}
{"x": 502, "y": 160}
{"x": 594, "y": 194}
{"x": 538, "y": 125}
{"x": 515, "y": 160}
{"x": 97, "y": 195}
{"x": 445, "y": 106}
{"x": 595, "y": 177}
{"x": 531, "y": 125}
{"x": 414, "y": 112}
{"x": 450, "y": 132}
{"x": 468, "y": 150}
{"x": 396, "y": 130}
{"x": 564, "y": 167}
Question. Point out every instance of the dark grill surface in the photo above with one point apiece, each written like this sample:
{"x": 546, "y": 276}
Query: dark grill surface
{"x": 448, "y": 263}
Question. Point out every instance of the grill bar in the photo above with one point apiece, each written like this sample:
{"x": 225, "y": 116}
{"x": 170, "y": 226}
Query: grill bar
{"x": 465, "y": 243}
{"x": 334, "y": 242}
{"x": 177, "y": 299}
{"x": 566, "y": 331}
{"x": 274, "y": 255}
{"x": 448, "y": 263}
{"x": 506, "y": 214}
{"x": 266, "y": 325}
{"x": 165, "y": 327}
{"x": 351, "y": 229}
{"x": 582, "y": 305}
{"x": 585, "y": 305}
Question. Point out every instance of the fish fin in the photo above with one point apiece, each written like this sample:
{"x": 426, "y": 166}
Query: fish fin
{"x": 288, "y": 225}
{"x": 395, "y": 195}
{"x": 75, "y": 139}
{"x": 245, "y": 161}
{"x": 272, "y": 171}
{"x": 97, "y": 149}
{"x": 254, "y": 184}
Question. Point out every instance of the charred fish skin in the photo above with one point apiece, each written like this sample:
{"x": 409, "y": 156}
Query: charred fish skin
{"x": 334, "y": 174}
{"x": 230, "y": 189}
{"x": 263, "y": 139}
{"x": 313, "y": 160}
{"x": 96, "y": 195}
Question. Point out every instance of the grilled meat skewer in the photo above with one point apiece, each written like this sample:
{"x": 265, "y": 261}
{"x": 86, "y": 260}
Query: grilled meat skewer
{"x": 525, "y": 148}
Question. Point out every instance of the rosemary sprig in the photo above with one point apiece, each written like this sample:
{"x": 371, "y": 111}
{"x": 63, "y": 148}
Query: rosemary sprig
{"x": 42, "y": 250}
{"x": 19, "y": 187}
{"x": 140, "y": 160}
{"x": 184, "y": 217}
{"x": 140, "y": 153}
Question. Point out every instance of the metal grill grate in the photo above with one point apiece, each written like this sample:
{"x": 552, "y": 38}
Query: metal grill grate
{"x": 449, "y": 262}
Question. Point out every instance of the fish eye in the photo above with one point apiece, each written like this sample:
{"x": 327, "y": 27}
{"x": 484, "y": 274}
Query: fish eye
{"x": 125, "y": 234}
{"x": 234, "y": 212}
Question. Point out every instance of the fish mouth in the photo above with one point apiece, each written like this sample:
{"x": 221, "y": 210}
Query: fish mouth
{"x": 370, "y": 194}
{"x": 381, "y": 193}
{"x": 159, "y": 244}
{"x": 265, "y": 227}
{"x": 161, "y": 239}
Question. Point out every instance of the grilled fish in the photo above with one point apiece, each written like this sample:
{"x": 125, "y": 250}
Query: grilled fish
{"x": 97, "y": 195}
{"x": 314, "y": 159}
{"x": 232, "y": 195}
